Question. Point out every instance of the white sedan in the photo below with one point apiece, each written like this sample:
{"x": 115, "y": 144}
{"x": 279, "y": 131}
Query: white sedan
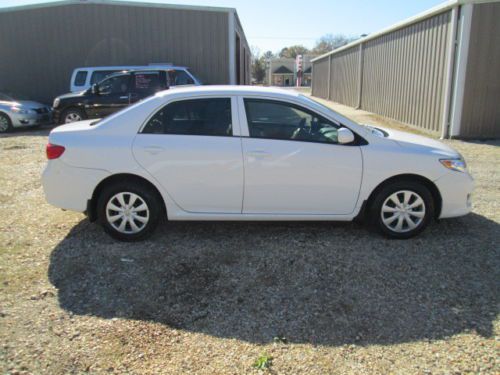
{"x": 246, "y": 153}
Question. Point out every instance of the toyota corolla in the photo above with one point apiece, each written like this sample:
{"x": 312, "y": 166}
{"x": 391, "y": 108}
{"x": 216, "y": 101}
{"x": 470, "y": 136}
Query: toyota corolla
{"x": 246, "y": 153}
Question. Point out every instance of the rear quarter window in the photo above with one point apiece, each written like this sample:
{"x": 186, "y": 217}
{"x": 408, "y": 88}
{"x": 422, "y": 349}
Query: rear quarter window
{"x": 81, "y": 77}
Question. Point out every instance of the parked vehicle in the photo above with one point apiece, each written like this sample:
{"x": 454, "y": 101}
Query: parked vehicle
{"x": 83, "y": 78}
{"x": 15, "y": 112}
{"x": 108, "y": 96}
{"x": 249, "y": 153}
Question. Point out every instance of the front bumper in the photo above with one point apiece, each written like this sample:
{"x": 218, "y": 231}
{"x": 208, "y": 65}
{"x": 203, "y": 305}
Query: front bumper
{"x": 32, "y": 119}
{"x": 456, "y": 192}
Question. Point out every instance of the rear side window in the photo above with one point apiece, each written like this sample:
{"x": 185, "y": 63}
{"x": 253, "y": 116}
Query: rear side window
{"x": 81, "y": 77}
{"x": 99, "y": 75}
{"x": 193, "y": 117}
{"x": 147, "y": 82}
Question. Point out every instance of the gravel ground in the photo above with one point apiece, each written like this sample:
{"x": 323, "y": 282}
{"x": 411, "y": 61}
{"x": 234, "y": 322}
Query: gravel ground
{"x": 211, "y": 298}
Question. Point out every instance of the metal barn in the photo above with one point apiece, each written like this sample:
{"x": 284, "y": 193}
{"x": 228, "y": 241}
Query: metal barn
{"x": 438, "y": 71}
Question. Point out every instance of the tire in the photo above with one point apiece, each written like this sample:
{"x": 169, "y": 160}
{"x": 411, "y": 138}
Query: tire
{"x": 121, "y": 211}
{"x": 72, "y": 115}
{"x": 402, "y": 209}
{"x": 5, "y": 123}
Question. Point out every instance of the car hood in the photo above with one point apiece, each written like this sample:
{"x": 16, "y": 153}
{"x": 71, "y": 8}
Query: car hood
{"x": 70, "y": 95}
{"x": 419, "y": 143}
{"x": 24, "y": 104}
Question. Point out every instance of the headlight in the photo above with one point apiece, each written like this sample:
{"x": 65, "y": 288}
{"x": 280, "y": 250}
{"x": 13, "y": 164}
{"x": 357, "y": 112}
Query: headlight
{"x": 56, "y": 102}
{"x": 22, "y": 111}
{"x": 458, "y": 165}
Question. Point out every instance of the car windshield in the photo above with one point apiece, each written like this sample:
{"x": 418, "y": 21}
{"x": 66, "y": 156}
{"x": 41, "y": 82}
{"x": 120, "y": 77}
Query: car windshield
{"x": 194, "y": 75}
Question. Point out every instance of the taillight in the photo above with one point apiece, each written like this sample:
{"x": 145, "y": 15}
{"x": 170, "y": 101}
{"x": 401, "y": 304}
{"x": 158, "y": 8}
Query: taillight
{"x": 54, "y": 151}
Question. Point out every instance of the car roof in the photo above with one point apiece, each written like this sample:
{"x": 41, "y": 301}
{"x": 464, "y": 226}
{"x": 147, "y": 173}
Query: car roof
{"x": 130, "y": 67}
{"x": 230, "y": 90}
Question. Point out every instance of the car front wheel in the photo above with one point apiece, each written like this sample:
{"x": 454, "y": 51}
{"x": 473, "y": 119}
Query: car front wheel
{"x": 72, "y": 115}
{"x": 5, "y": 123}
{"x": 402, "y": 209}
{"x": 129, "y": 212}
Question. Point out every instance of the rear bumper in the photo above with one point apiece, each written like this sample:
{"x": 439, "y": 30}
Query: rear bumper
{"x": 456, "y": 192}
{"x": 69, "y": 187}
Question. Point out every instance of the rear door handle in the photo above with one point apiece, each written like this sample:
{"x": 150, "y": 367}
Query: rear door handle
{"x": 258, "y": 154}
{"x": 123, "y": 97}
{"x": 153, "y": 150}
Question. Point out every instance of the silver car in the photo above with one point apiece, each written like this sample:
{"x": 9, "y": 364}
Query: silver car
{"x": 17, "y": 113}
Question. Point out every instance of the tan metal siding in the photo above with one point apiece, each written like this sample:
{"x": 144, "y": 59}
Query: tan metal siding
{"x": 403, "y": 73}
{"x": 37, "y": 59}
{"x": 320, "y": 78}
{"x": 481, "y": 105}
{"x": 344, "y": 77}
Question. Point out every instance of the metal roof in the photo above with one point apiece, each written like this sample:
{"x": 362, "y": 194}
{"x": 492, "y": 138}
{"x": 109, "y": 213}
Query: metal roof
{"x": 419, "y": 17}
{"x": 116, "y": 2}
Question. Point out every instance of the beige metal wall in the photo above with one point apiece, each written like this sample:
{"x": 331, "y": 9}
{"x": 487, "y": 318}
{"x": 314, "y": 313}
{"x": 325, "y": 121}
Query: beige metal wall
{"x": 481, "y": 104}
{"x": 344, "y": 77}
{"x": 320, "y": 78}
{"x": 402, "y": 73}
{"x": 39, "y": 48}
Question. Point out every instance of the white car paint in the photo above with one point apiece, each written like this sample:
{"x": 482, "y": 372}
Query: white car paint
{"x": 243, "y": 178}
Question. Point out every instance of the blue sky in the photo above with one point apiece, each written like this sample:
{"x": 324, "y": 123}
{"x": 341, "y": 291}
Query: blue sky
{"x": 273, "y": 24}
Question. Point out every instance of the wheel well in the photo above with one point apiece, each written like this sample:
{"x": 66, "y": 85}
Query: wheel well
{"x": 3, "y": 113}
{"x": 436, "y": 196}
{"x": 121, "y": 177}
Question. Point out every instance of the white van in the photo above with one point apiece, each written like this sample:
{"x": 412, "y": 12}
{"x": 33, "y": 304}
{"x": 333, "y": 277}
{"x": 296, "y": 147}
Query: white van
{"x": 83, "y": 78}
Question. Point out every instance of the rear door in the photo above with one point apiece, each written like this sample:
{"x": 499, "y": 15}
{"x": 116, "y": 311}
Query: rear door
{"x": 192, "y": 148}
{"x": 145, "y": 84}
{"x": 293, "y": 163}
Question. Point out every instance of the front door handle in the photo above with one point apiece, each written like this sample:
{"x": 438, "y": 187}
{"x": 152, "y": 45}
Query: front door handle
{"x": 153, "y": 150}
{"x": 124, "y": 97}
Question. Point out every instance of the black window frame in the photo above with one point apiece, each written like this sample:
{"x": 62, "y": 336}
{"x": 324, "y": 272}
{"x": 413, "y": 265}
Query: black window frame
{"x": 228, "y": 98}
{"x": 358, "y": 140}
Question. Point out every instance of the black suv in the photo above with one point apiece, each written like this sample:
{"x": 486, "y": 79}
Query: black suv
{"x": 110, "y": 95}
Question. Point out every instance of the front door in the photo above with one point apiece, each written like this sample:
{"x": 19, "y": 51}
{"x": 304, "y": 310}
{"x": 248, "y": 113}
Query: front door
{"x": 189, "y": 147}
{"x": 294, "y": 165}
{"x": 113, "y": 95}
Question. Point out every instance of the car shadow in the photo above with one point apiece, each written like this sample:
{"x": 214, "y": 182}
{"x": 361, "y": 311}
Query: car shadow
{"x": 318, "y": 283}
{"x": 42, "y": 131}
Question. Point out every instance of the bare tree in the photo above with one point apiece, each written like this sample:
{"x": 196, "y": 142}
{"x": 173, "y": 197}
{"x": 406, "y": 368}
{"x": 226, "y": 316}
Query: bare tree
{"x": 329, "y": 42}
{"x": 293, "y": 51}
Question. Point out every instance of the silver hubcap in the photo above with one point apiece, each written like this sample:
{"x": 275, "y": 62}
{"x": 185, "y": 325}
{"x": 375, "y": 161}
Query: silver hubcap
{"x": 72, "y": 117}
{"x": 4, "y": 124}
{"x": 127, "y": 213}
{"x": 403, "y": 211}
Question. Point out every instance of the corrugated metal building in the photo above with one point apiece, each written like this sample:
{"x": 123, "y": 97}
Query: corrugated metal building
{"x": 40, "y": 45}
{"x": 438, "y": 71}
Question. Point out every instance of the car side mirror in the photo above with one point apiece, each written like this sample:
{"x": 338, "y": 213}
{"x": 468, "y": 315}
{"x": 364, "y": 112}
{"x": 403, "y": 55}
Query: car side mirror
{"x": 344, "y": 136}
{"x": 95, "y": 89}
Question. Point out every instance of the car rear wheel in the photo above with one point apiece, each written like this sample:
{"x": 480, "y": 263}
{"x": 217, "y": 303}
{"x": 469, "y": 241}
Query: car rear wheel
{"x": 129, "y": 212}
{"x": 5, "y": 123}
{"x": 402, "y": 209}
{"x": 72, "y": 115}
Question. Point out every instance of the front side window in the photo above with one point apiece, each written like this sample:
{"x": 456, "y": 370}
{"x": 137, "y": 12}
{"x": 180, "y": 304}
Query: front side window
{"x": 80, "y": 78}
{"x": 99, "y": 75}
{"x": 179, "y": 77}
{"x": 193, "y": 117}
{"x": 115, "y": 85}
{"x": 280, "y": 120}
